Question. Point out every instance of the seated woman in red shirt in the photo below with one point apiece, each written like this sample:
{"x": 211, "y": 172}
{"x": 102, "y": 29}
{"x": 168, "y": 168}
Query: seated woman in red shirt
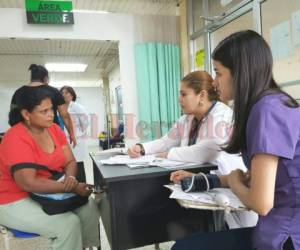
{"x": 35, "y": 140}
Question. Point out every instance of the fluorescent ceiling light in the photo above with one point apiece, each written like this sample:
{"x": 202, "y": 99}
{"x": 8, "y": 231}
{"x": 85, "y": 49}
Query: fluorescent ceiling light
{"x": 66, "y": 67}
{"x": 80, "y": 83}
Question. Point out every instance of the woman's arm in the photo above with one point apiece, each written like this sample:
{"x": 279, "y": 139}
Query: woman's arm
{"x": 27, "y": 180}
{"x": 259, "y": 197}
{"x": 63, "y": 111}
{"x": 70, "y": 167}
{"x": 160, "y": 145}
{"x": 202, "y": 152}
{"x": 170, "y": 140}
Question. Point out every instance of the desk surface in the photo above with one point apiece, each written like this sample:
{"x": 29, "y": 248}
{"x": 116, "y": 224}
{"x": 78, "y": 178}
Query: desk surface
{"x": 112, "y": 173}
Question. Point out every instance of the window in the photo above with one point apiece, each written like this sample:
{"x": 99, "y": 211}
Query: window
{"x": 283, "y": 35}
{"x": 241, "y": 23}
{"x": 197, "y": 54}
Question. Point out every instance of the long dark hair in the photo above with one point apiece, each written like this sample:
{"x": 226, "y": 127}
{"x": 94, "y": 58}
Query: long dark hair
{"x": 201, "y": 80}
{"x": 248, "y": 57}
{"x": 38, "y": 73}
{"x": 28, "y": 99}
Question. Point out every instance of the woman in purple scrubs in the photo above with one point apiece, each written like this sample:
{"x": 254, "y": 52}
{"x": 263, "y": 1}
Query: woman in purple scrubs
{"x": 266, "y": 131}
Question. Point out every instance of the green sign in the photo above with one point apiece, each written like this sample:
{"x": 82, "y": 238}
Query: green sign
{"x": 49, "y": 12}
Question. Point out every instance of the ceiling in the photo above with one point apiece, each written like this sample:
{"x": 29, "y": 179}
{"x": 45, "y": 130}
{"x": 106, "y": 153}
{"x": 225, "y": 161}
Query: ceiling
{"x": 17, "y": 54}
{"x": 142, "y": 7}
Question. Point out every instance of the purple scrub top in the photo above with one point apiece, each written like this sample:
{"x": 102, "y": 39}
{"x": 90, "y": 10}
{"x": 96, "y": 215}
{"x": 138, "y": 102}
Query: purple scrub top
{"x": 273, "y": 128}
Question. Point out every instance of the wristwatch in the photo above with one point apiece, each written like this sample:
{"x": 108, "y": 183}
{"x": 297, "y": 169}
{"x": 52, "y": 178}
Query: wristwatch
{"x": 142, "y": 152}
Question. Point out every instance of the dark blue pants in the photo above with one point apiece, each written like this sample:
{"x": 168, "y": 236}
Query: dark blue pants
{"x": 235, "y": 239}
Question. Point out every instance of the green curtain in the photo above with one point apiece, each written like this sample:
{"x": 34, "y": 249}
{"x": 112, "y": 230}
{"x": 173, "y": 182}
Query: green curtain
{"x": 158, "y": 77}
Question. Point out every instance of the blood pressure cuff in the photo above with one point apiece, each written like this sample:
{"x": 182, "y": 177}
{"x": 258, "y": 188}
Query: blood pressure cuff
{"x": 200, "y": 182}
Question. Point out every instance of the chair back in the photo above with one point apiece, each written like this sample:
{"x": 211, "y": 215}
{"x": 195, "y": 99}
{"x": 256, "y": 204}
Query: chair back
{"x": 21, "y": 234}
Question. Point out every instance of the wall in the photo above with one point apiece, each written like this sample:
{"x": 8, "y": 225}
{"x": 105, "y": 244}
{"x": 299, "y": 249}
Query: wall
{"x": 6, "y": 92}
{"x": 92, "y": 100}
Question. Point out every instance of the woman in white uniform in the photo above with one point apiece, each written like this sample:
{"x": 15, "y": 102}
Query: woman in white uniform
{"x": 80, "y": 122}
{"x": 199, "y": 134}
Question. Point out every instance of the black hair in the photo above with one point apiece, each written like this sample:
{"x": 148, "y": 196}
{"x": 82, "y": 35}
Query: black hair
{"x": 248, "y": 57}
{"x": 28, "y": 99}
{"x": 38, "y": 73}
{"x": 71, "y": 91}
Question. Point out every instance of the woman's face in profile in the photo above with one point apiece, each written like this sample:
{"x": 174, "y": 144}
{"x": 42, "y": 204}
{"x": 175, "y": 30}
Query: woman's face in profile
{"x": 67, "y": 96}
{"x": 223, "y": 81}
{"x": 188, "y": 99}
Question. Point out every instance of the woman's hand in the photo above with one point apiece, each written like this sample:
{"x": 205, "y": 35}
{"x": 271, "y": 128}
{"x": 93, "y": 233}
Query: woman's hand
{"x": 70, "y": 183}
{"x": 238, "y": 177}
{"x": 177, "y": 176}
{"x": 73, "y": 140}
{"x": 162, "y": 155}
{"x": 83, "y": 189}
{"x": 134, "y": 151}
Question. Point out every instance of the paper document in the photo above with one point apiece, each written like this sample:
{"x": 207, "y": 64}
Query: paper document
{"x": 113, "y": 151}
{"x": 206, "y": 198}
{"x": 140, "y": 165}
{"x": 170, "y": 164}
{"x": 144, "y": 161}
{"x": 125, "y": 160}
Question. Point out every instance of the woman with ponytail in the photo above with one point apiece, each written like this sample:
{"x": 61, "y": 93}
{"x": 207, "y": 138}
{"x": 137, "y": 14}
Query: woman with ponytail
{"x": 40, "y": 79}
{"x": 199, "y": 133}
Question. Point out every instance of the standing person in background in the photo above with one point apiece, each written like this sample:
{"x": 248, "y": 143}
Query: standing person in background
{"x": 80, "y": 122}
{"x": 40, "y": 79}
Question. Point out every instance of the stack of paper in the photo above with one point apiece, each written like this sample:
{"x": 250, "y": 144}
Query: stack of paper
{"x": 126, "y": 160}
{"x": 144, "y": 161}
{"x": 111, "y": 151}
{"x": 170, "y": 164}
{"x": 206, "y": 198}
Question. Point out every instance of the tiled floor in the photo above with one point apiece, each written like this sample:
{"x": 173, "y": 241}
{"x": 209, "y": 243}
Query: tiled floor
{"x": 39, "y": 243}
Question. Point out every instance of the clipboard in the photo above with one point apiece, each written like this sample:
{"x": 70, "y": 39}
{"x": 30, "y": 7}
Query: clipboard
{"x": 195, "y": 204}
{"x": 202, "y": 206}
